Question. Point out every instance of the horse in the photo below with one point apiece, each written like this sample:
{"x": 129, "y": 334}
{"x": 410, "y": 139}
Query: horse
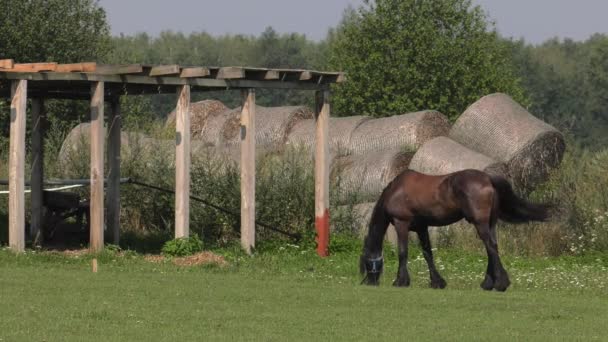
{"x": 413, "y": 201}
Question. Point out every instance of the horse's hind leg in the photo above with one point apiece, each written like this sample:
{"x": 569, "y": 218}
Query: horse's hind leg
{"x": 437, "y": 282}
{"x": 402, "y": 228}
{"x": 496, "y": 275}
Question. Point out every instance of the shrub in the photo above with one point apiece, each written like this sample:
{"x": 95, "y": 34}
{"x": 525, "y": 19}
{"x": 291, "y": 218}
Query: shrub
{"x": 183, "y": 246}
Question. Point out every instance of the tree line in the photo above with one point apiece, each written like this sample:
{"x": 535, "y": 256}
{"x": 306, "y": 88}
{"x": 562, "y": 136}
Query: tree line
{"x": 399, "y": 55}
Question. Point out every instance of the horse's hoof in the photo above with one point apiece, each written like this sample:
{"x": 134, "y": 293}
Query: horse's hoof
{"x": 438, "y": 284}
{"x": 401, "y": 283}
{"x": 487, "y": 284}
{"x": 501, "y": 284}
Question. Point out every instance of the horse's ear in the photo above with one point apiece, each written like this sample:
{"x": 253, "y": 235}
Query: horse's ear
{"x": 362, "y": 264}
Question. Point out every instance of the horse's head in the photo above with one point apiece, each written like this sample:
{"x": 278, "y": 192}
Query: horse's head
{"x": 372, "y": 267}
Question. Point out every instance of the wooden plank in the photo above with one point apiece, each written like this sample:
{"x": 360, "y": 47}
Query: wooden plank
{"x": 231, "y": 73}
{"x": 119, "y": 69}
{"x": 6, "y": 63}
{"x": 163, "y": 81}
{"x": 77, "y": 67}
{"x": 33, "y": 67}
{"x": 182, "y": 163}
{"x": 97, "y": 164}
{"x": 322, "y": 172}
{"x": 164, "y": 70}
{"x": 16, "y": 168}
{"x": 113, "y": 195}
{"x": 261, "y": 74}
{"x": 248, "y": 170}
{"x": 37, "y": 173}
{"x": 195, "y": 72}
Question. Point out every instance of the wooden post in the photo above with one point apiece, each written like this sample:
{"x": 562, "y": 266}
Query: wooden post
{"x": 322, "y": 172}
{"x": 16, "y": 181}
{"x": 113, "y": 196}
{"x": 248, "y": 170}
{"x": 182, "y": 163}
{"x": 37, "y": 175}
{"x": 97, "y": 163}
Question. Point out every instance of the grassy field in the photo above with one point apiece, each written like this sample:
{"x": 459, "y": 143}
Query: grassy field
{"x": 291, "y": 294}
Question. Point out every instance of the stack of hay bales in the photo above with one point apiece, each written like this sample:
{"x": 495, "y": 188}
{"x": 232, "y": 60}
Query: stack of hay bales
{"x": 500, "y": 128}
{"x": 442, "y": 155}
{"x": 407, "y": 131}
{"x": 272, "y": 125}
{"x": 201, "y": 114}
{"x": 340, "y": 131}
{"x": 364, "y": 176}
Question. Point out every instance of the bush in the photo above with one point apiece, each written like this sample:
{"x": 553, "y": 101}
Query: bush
{"x": 183, "y": 246}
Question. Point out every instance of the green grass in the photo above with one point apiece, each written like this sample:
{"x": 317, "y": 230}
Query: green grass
{"x": 289, "y": 294}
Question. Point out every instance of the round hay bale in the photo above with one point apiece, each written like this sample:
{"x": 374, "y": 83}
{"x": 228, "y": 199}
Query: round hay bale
{"x": 272, "y": 125}
{"x": 401, "y": 131}
{"x": 199, "y": 113}
{"x": 212, "y": 133}
{"x": 340, "y": 131}
{"x": 75, "y": 149}
{"x": 500, "y": 128}
{"x": 442, "y": 155}
{"x": 363, "y": 177}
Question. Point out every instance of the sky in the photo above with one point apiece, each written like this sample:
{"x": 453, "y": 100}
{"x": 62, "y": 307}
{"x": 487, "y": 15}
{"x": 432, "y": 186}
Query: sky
{"x": 533, "y": 20}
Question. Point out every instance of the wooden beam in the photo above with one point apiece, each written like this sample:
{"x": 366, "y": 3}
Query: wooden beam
{"x": 164, "y": 70}
{"x": 37, "y": 173}
{"x": 231, "y": 73}
{"x": 113, "y": 196}
{"x": 33, "y": 67}
{"x": 248, "y": 170}
{"x": 77, "y": 67}
{"x": 322, "y": 172}
{"x": 16, "y": 168}
{"x": 6, "y": 63}
{"x": 195, "y": 72}
{"x": 182, "y": 163}
{"x": 163, "y": 81}
{"x": 119, "y": 69}
{"x": 97, "y": 163}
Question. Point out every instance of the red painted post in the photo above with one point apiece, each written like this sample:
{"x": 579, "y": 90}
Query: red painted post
{"x": 322, "y": 172}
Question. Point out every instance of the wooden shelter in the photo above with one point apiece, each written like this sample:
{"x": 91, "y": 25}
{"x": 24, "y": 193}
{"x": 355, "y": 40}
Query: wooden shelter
{"x": 106, "y": 83}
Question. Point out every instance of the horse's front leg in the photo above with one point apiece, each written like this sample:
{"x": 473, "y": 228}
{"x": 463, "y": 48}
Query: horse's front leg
{"x": 402, "y": 228}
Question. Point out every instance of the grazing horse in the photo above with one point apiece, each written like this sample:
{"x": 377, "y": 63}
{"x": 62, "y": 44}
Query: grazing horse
{"x": 414, "y": 201}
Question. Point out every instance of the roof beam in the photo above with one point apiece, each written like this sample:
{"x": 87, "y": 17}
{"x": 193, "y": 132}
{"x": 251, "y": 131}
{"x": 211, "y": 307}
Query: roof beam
{"x": 119, "y": 69}
{"x": 6, "y": 63}
{"x": 195, "y": 72}
{"x": 77, "y": 67}
{"x": 164, "y": 70}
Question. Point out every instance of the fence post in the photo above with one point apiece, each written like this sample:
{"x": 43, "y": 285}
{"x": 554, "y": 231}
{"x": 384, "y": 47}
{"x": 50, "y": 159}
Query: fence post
{"x": 97, "y": 164}
{"x": 37, "y": 176}
{"x": 322, "y": 172}
{"x": 182, "y": 163}
{"x": 248, "y": 170}
{"x": 16, "y": 181}
{"x": 113, "y": 198}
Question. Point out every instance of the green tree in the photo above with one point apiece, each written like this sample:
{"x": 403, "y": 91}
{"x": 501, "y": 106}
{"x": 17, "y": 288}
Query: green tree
{"x": 408, "y": 55}
{"x": 62, "y": 31}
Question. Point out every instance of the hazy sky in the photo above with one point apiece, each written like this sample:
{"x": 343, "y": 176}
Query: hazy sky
{"x": 534, "y": 20}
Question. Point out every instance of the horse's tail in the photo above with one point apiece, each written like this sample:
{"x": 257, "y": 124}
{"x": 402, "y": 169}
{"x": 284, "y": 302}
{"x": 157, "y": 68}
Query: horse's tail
{"x": 376, "y": 230}
{"x": 515, "y": 209}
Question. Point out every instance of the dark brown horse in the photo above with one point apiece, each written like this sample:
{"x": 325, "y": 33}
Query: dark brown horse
{"x": 414, "y": 201}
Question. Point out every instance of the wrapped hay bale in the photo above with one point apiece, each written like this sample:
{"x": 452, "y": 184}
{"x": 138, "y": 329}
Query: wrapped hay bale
{"x": 199, "y": 113}
{"x": 401, "y": 131}
{"x": 212, "y": 133}
{"x": 500, "y": 128}
{"x": 272, "y": 125}
{"x": 443, "y": 155}
{"x": 363, "y": 177}
{"x": 340, "y": 131}
{"x": 75, "y": 150}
